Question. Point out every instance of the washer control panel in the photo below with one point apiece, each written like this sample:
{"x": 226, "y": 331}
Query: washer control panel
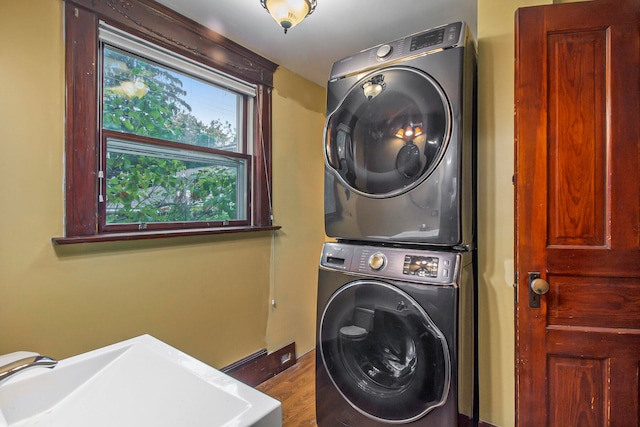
{"x": 423, "y": 266}
{"x": 414, "y": 265}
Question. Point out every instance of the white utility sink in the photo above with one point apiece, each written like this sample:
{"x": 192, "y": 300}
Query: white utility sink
{"x": 139, "y": 382}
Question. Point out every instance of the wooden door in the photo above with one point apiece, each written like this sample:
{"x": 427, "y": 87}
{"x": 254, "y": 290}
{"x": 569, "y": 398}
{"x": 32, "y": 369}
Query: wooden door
{"x": 577, "y": 213}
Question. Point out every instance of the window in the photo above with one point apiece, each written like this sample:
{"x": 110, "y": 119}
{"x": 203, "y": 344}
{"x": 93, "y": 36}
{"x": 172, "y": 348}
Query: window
{"x": 162, "y": 139}
{"x": 173, "y": 149}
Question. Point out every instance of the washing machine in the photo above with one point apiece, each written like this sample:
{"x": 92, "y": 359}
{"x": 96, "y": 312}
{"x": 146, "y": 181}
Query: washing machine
{"x": 395, "y": 337}
{"x": 400, "y": 141}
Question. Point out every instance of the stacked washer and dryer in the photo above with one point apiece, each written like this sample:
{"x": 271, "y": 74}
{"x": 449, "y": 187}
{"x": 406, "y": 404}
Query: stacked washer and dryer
{"x": 397, "y": 334}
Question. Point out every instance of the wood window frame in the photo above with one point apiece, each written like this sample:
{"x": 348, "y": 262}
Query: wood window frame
{"x": 166, "y": 28}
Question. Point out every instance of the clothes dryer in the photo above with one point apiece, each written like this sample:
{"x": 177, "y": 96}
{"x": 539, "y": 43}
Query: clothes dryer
{"x": 395, "y": 337}
{"x": 399, "y": 141}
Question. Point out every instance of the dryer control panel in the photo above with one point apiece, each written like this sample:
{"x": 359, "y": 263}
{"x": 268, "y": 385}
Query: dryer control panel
{"x": 413, "y": 265}
{"x": 422, "y": 43}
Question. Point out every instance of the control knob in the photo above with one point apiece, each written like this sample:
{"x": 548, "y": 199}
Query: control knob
{"x": 377, "y": 261}
{"x": 384, "y": 51}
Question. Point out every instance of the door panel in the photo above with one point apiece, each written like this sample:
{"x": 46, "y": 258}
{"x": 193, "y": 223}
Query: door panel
{"x": 577, "y": 208}
{"x": 578, "y": 213}
{"x": 580, "y": 385}
{"x": 583, "y": 300}
{"x": 608, "y": 362}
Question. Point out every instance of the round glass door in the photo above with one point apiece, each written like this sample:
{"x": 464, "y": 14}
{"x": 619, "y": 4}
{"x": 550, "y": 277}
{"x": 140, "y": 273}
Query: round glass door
{"x": 383, "y": 352}
{"x": 389, "y": 132}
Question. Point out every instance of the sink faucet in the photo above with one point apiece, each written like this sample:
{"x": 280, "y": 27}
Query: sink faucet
{"x": 20, "y": 365}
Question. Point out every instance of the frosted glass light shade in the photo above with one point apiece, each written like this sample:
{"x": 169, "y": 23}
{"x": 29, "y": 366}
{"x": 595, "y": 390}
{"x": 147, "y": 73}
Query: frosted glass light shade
{"x": 289, "y": 13}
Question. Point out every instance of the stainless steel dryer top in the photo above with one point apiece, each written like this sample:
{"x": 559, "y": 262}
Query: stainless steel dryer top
{"x": 400, "y": 142}
{"x": 422, "y": 43}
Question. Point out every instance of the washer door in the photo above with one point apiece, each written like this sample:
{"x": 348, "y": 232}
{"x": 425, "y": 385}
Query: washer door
{"x": 389, "y": 132}
{"x": 383, "y": 352}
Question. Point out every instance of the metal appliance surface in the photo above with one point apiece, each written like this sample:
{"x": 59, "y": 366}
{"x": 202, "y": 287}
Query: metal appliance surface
{"x": 395, "y": 340}
{"x": 400, "y": 140}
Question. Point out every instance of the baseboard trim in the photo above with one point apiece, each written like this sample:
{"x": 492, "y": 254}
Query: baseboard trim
{"x": 465, "y": 421}
{"x": 260, "y": 366}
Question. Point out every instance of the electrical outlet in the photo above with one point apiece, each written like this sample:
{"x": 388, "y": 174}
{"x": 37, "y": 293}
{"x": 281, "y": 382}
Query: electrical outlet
{"x": 285, "y": 358}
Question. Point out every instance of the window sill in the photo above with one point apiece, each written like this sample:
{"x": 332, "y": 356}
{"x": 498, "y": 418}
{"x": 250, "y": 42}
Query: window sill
{"x": 118, "y": 237}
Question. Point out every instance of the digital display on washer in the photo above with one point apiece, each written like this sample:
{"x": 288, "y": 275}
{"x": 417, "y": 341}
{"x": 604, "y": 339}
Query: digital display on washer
{"x": 427, "y": 39}
{"x": 420, "y": 266}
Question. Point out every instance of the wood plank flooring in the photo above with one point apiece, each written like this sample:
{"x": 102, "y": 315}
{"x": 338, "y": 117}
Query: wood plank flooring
{"x": 296, "y": 389}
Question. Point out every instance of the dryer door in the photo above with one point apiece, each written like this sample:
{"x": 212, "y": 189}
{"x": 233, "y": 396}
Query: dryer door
{"x": 389, "y": 132}
{"x": 383, "y": 352}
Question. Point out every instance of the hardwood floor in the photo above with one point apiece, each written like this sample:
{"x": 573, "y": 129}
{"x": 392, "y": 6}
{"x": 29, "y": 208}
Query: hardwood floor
{"x": 295, "y": 388}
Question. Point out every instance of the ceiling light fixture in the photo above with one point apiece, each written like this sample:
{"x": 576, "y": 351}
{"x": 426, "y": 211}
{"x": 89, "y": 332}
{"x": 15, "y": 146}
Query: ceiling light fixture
{"x": 289, "y": 13}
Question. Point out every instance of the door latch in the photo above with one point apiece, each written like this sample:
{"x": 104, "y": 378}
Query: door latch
{"x": 537, "y": 287}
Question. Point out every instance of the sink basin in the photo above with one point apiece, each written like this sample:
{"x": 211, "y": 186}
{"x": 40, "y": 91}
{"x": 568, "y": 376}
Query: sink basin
{"x": 138, "y": 382}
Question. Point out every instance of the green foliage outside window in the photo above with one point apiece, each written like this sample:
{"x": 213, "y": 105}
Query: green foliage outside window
{"x": 148, "y": 186}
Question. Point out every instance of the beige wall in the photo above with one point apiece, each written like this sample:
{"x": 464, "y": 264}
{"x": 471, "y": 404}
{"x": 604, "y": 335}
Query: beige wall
{"x": 298, "y": 171}
{"x": 208, "y": 296}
